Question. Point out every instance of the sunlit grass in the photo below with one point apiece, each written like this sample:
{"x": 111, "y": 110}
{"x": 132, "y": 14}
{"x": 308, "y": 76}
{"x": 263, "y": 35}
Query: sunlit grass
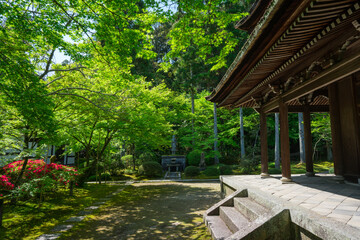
{"x": 300, "y": 168}
{"x": 296, "y": 168}
{"x": 28, "y": 220}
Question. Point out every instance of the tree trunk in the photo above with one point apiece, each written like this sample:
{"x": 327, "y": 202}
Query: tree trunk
{"x": 215, "y": 135}
{"x": 97, "y": 170}
{"x": 26, "y": 159}
{"x": 133, "y": 156}
{"x": 192, "y": 118}
{"x": 277, "y": 142}
{"x": 242, "y": 142}
{"x": 329, "y": 151}
{"x": 301, "y": 137}
{"x": 87, "y": 156}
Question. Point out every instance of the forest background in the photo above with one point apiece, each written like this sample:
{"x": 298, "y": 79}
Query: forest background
{"x": 137, "y": 73}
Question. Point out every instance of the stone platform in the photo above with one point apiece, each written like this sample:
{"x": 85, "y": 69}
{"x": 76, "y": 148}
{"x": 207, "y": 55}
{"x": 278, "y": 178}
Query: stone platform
{"x": 321, "y": 205}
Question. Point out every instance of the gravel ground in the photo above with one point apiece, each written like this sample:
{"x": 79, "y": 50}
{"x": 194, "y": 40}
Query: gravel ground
{"x": 152, "y": 211}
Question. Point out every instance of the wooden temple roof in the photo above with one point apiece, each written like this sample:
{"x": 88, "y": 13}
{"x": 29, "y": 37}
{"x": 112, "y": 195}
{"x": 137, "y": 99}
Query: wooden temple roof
{"x": 283, "y": 51}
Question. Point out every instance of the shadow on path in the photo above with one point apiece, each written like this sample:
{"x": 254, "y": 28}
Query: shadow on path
{"x": 152, "y": 211}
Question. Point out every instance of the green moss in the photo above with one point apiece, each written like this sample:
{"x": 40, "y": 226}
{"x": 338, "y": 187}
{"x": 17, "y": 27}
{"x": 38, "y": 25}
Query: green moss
{"x": 27, "y": 220}
{"x": 150, "y": 212}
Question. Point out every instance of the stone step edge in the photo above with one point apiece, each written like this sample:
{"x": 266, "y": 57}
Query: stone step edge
{"x": 217, "y": 228}
{"x": 227, "y": 201}
{"x": 249, "y": 208}
{"x": 268, "y": 225}
{"x": 233, "y": 218}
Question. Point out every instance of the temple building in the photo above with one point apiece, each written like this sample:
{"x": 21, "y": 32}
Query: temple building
{"x": 301, "y": 56}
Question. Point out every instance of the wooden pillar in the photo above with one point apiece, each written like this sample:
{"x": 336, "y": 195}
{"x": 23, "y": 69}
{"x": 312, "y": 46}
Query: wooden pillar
{"x": 284, "y": 142}
{"x": 308, "y": 142}
{"x": 264, "y": 145}
{"x": 335, "y": 130}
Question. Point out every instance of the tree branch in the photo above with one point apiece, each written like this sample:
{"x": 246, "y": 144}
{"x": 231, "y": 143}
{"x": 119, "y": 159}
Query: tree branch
{"x": 81, "y": 26}
{"x": 78, "y": 88}
{"x": 86, "y": 99}
{"x": 46, "y": 71}
{"x": 65, "y": 70}
{"x": 54, "y": 80}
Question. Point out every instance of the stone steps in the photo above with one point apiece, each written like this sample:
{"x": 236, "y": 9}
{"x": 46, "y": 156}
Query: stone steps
{"x": 241, "y": 217}
{"x": 233, "y": 219}
{"x": 249, "y": 208}
{"x": 217, "y": 227}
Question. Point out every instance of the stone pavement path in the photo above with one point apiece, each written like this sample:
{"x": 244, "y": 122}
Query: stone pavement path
{"x": 321, "y": 194}
{"x": 69, "y": 223}
{"x": 172, "y": 175}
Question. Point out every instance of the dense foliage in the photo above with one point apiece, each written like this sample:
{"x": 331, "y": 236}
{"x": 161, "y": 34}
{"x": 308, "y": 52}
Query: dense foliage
{"x": 194, "y": 157}
{"x": 134, "y": 74}
{"x": 191, "y": 171}
{"x": 150, "y": 169}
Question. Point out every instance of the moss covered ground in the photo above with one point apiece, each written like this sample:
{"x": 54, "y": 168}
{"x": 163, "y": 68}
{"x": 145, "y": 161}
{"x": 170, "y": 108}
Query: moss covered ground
{"x": 151, "y": 211}
{"x": 28, "y": 220}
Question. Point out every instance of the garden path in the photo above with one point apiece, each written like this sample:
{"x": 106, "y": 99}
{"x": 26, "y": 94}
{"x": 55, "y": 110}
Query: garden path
{"x": 157, "y": 210}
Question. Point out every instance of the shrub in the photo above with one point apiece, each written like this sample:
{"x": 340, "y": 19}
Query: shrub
{"x": 150, "y": 169}
{"x": 5, "y": 183}
{"x": 129, "y": 171}
{"x": 192, "y": 171}
{"x": 230, "y": 158}
{"x": 249, "y": 165}
{"x": 274, "y": 171}
{"x": 331, "y": 170}
{"x": 209, "y": 160}
{"x": 225, "y": 170}
{"x": 115, "y": 166}
{"x": 211, "y": 171}
{"x": 194, "y": 157}
{"x": 38, "y": 169}
{"x": 147, "y": 157}
{"x": 127, "y": 160}
{"x": 104, "y": 176}
{"x": 37, "y": 177}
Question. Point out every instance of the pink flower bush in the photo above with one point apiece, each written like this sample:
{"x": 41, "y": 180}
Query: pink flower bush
{"x": 5, "y": 183}
{"x": 36, "y": 171}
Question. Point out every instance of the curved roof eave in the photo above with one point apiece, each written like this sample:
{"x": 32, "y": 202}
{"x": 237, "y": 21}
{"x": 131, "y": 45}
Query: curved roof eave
{"x": 254, "y": 36}
{"x": 257, "y": 10}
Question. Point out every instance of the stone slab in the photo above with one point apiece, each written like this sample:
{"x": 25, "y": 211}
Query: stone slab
{"x": 82, "y": 213}
{"x": 354, "y": 221}
{"x": 49, "y": 236}
{"x": 62, "y": 228}
{"x": 75, "y": 219}
{"x": 92, "y": 208}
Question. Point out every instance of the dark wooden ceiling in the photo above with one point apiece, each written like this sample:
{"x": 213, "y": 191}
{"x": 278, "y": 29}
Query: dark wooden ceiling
{"x": 294, "y": 35}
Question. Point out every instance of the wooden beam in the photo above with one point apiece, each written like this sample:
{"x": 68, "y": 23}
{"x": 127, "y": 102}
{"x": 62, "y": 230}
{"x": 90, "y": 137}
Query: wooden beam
{"x": 335, "y": 129}
{"x": 300, "y": 108}
{"x": 338, "y": 71}
{"x": 308, "y": 141}
{"x": 264, "y": 145}
{"x": 284, "y": 141}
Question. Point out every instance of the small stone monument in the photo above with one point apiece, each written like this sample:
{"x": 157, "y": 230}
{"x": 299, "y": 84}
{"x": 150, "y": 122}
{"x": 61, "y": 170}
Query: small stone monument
{"x": 202, "y": 164}
{"x": 173, "y": 164}
{"x": 173, "y": 145}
